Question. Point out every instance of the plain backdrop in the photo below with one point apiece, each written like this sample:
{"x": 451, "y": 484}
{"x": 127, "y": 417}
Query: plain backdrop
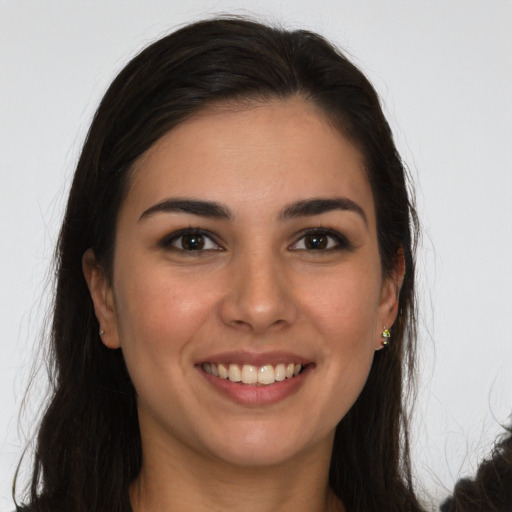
{"x": 444, "y": 73}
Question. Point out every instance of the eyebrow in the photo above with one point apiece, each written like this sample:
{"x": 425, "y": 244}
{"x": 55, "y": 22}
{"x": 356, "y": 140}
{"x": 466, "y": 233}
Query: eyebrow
{"x": 193, "y": 206}
{"x": 211, "y": 209}
{"x": 317, "y": 206}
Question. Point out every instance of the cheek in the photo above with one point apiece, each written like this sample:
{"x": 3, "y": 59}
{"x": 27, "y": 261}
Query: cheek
{"x": 346, "y": 307}
{"x": 344, "y": 311}
{"x": 159, "y": 312}
{"x": 158, "y": 320}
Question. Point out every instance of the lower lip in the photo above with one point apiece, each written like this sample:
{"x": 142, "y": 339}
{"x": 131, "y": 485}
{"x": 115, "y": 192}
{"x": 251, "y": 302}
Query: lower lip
{"x": 247, "y": 394}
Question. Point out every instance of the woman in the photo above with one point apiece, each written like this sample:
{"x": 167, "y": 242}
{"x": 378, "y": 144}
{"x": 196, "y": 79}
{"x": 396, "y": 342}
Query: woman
{"x": 235, "y": 306}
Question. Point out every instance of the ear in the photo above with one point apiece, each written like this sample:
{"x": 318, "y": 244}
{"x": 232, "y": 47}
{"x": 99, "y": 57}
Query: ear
{"x": 102, "y": 298}
{"x": 389, "y": 298}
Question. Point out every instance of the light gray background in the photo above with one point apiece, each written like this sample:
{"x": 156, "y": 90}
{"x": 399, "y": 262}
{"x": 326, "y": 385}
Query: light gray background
{"x": 444, "y": 72}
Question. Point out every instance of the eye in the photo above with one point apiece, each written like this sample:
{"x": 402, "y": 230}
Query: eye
{"x": 191, "y": 240}
{"x": 321, "y": 240}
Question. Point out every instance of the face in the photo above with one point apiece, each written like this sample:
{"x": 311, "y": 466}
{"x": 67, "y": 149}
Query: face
{"x": 247, "y": 293}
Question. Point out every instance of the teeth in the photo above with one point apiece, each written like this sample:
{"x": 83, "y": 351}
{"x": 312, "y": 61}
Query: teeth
{"x": 266, "y": 375}
{"x": 280, "y": 372}
{"x": 234, "y": 374}
{"x": 223, "y": 372}
{"x": 249, "y": 374}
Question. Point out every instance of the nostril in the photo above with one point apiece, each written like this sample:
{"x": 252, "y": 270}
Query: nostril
{"x": 241, "y": 324}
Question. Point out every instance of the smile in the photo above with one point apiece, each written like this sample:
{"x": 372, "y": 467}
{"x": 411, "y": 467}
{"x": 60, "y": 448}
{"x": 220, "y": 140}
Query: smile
{"x": 264, "y": 375}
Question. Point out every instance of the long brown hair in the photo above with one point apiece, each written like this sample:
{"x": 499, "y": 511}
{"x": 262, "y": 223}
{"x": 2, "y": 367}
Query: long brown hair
{"x": 88, "y": 448}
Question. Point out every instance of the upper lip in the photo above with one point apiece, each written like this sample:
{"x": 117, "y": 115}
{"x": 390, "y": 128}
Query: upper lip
{"x": 255, "y": 358}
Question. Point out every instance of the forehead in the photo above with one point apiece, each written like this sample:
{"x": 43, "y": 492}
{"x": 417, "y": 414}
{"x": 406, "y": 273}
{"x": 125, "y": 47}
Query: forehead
{"x": 265, "y": 154}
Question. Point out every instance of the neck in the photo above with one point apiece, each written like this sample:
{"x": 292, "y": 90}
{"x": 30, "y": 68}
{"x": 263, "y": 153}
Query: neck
{"x": 171, "y": 479}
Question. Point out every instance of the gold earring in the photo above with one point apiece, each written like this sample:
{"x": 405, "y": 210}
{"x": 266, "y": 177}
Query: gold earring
{"x": 386, "y": 335}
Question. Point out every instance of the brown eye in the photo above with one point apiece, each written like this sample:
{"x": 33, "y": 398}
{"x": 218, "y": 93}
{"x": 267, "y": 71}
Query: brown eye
{"x": 316, "y": 241}
{"x": 192, "y": 242}
{"x": 322, "y": 240}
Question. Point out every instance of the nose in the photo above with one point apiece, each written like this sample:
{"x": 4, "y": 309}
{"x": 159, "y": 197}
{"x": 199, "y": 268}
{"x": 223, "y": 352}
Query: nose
{"x": 259, "y": 296}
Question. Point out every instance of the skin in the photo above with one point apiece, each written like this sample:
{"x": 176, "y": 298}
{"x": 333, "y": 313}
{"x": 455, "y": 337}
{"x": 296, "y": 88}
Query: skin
{"x": 255, "y": 287}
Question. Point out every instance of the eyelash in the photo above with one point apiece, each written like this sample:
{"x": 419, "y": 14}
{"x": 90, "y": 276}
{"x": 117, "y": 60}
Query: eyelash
{"x": 168, "y": 241}
{"x": 341, "y": 242}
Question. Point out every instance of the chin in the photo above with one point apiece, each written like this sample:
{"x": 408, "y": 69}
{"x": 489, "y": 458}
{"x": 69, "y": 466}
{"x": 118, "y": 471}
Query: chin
{"x": 259, "y": 445}
{"x": 254, "y": 455}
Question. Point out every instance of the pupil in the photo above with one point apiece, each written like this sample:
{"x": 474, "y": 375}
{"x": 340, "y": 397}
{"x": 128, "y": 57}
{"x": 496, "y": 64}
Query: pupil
{"x": 192, "y": 242}
{"x": 316, "y": 241}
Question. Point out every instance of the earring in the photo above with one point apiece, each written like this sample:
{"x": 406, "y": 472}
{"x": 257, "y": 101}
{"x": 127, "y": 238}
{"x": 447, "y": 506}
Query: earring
{"x": 386, "y": 335}
{"x": 102, "y": 332}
